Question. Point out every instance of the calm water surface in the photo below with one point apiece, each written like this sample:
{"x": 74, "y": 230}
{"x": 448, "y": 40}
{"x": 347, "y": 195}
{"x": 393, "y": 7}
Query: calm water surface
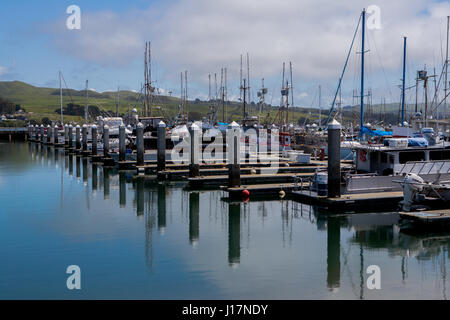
{"x": 134, "y": 238}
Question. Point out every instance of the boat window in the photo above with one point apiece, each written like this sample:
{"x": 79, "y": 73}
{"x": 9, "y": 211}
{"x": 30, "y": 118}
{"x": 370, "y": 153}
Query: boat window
{"x": 383, "y": 157}
{"x": 411, "y": 156}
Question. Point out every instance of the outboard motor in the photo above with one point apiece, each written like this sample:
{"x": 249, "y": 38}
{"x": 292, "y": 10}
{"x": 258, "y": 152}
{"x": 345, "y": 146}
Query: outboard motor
{"x": 412, "y": 185}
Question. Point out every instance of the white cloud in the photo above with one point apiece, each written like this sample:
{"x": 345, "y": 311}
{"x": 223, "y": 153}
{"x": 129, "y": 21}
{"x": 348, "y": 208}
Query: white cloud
{"x": 202, "y": 35}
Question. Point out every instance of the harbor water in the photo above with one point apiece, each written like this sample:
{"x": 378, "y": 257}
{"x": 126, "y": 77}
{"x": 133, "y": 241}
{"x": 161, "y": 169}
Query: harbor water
{"x": 135, "y": 238}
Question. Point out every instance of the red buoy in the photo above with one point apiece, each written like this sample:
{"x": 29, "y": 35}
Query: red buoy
{"x": 245, "y": 194}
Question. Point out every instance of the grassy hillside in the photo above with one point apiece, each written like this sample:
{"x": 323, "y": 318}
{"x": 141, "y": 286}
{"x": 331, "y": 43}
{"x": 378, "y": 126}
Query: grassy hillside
{"x": 42, "y": 102}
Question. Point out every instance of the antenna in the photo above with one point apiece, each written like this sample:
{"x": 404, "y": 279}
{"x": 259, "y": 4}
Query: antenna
{"x": 86, "y": 107}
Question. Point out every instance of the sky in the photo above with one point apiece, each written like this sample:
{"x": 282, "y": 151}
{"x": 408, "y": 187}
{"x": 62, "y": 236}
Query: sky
{"x": 203, "y": 36}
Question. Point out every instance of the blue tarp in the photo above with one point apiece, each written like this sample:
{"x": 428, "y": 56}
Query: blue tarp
{"x": 380, "y": 133}
{"x": 417, "y": 142}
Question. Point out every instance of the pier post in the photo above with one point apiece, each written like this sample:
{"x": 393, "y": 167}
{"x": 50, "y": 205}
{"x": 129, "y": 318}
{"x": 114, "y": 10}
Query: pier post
{"x": 122, "y": 147}
{"x": 334, "y": 159}
{"x": 161, "y": 146}
{"x": 66, "y": 136}
{"x": 106, "y": 141}
{"x": 94, "y": 140}
{"x": 70, "y": 134}
{"x": 195, "y": 151}
{"x": 42, "y": 134}
{"x": 49, "y": 134}
{"x": 234, "y": 148}
{"x": 84, "y": 137}
{"x": 78, "y": 138}
{"x": 140, "y": 144}
{"x": 55, "y": 135}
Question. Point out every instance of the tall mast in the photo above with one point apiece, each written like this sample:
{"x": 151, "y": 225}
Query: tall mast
{"x": 209, "y": 87}
{"x": 61, "y": 98}
{"x": 226, "y": 97}
{"x": 320, "y": 106}
{"x": 361, "y": 122}
{"x": 86, "y": 107}
{"x": 240, "y": 82}
{"x": 403, "y": 81}
{"x": 118, "y": 101}
{"x": 248, "y": 78}
{"x": 292, "y": 86}
{"x": 185, "y": 96}
{"x": 446, "y": 70}
{"x": 150, "y": 77}
{"x": 243, "y": 88}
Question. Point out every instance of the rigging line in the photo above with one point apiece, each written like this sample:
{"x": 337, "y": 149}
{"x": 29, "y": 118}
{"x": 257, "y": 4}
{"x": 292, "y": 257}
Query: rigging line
{"x": 68, "y": 90}
{"x": 382, "y": 68}
{"x": 343, "y": 71}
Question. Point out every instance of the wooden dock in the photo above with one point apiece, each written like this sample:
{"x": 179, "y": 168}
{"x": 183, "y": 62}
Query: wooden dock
{"x": 360, "y": 201}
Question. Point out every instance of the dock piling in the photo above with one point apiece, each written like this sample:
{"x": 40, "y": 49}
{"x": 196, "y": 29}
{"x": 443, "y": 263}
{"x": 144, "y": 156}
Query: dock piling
{"x": 161, "y": 146}
{"x": 122, "y": 147}
{"x": 94, "y": 140}
{"x": 140, "y": 144}
{"x": 234, "y": 167}
{"x": 195, "y": 151}
{"x": 70, "y": 133}
{"x": 334, "y": 159}
{"x": 84, "y": 137}
{"x": 106, "y": 141}
{"x": 55, "y": 135}
{"x": 78, "y": 138}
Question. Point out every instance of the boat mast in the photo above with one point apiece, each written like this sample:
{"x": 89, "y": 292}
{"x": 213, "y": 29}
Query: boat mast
{"x": 445, "y": 76}
{"x": 403, "y": 81}
{"x": 363, "y": 27}
{"x": 61, "y": 98}
{"x": 320, "y": 106}
{"x": 86, "y": 106}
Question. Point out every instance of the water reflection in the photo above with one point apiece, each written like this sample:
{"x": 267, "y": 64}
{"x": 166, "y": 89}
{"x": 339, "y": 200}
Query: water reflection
{"x": 294, "y": 242}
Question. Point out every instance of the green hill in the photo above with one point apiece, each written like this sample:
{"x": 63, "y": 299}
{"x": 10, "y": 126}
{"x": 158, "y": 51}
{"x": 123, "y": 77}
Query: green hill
{"x": 42, "y": 102}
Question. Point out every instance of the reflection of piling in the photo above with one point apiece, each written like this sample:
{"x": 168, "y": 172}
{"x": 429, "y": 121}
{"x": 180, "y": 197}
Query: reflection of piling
{"x": 94, "y": 176}
{"x": 161, "y": 207}
{"x": 78, "y": 138}
{"x": 234, "y": 167}
{"x": 70, "y": 165}
{"x": 122, "y": 147}
{"x": 161, "y": 146}
{"x": 234, "y": 234}
{"x": 77, "y": 164}
{"x": 85, "y": 170}
{"x": 139, "y": 196}
{"x": 122, "y": 189}
{"x": 106, "y": 183}
{"x": 195, "y": 151}
{"x": 140, "y": 144}
{"x": 333, "y": 253}
{"x": 334, "y": 159}
{"x": 194, "y": 217}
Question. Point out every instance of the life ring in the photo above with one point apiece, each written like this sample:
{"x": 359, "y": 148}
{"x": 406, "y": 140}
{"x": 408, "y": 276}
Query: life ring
{"x": 362, "y": 155}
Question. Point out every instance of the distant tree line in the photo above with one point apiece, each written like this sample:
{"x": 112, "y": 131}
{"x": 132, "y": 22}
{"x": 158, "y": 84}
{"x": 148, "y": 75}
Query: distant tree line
{"x": 7, "y": 107}
{"x": 78, "y": 110}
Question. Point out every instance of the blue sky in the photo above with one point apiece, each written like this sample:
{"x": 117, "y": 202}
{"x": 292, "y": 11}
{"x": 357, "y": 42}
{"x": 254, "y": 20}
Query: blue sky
{"x": 203, "y": 36}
